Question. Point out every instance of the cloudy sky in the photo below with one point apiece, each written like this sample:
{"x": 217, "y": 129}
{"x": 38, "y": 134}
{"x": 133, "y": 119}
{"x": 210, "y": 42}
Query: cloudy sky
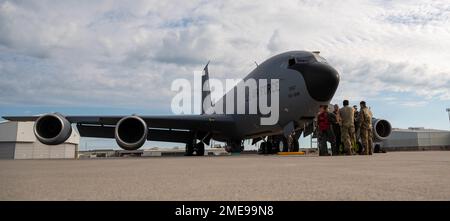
{"x": 120, "y": 57}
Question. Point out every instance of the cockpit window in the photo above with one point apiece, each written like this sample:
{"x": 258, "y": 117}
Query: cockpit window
{"x": 301, "y": 60}
{"x": 291, "y": 61}
{"x": 305, "y": 60}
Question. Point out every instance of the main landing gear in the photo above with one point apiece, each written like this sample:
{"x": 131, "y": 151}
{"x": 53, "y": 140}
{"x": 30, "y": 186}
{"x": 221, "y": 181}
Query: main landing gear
{"x": 275, "y": 144}
{"x": 234, "y": 147}
{"x": 197, "y": 149}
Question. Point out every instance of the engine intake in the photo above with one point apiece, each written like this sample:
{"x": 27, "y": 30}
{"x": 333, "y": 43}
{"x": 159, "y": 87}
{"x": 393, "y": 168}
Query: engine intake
{"x": 52, "y": 129}
{"x": 131, "y": 132}
{"x": 381, "y": 129}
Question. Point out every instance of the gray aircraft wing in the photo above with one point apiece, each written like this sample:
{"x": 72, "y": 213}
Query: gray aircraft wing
{"x": 176, "y": 128}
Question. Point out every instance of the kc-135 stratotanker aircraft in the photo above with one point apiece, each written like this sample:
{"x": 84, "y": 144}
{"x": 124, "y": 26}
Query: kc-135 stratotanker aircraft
{"x": 305, "y": 80}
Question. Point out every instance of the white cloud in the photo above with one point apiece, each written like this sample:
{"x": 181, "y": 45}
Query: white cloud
{"x": 121, "y": 53}
{"x": 413, "y": 103}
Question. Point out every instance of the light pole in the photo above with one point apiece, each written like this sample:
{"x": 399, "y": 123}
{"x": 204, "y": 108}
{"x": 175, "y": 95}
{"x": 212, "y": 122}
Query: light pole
{"x": 448, "y": 111}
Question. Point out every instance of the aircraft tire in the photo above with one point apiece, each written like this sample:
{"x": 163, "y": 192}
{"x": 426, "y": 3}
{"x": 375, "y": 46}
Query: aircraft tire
{"x": 189, "y": 150}
{"x": 296, "y": 146}
{"x": 263, "y": 147}
{"x": 200, "y": 149}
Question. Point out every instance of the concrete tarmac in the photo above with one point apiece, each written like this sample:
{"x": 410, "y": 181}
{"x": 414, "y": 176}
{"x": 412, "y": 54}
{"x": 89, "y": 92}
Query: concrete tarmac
{"x": 390, "y": 176}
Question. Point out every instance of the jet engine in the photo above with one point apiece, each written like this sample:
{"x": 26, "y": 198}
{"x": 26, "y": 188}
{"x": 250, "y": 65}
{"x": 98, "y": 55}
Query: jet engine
{"x": 381, "y": 129}
{"x": 131, "y": 132}
{"x": 52, "y": 129}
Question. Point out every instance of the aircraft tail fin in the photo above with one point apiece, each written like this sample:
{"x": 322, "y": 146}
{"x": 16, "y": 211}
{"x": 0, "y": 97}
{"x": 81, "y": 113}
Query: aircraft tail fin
{"x": 206, "y": 90}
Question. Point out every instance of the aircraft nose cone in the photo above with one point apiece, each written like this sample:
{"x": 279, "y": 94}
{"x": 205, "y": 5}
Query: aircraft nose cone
{"x": 321, "y": 80}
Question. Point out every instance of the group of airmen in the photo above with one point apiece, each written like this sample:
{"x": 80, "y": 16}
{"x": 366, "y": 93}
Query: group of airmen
{"x": 344, "y": 127}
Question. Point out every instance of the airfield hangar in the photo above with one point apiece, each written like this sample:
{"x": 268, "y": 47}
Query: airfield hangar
{"x": 17, "y": 141}
{"x": 417, "y": 138}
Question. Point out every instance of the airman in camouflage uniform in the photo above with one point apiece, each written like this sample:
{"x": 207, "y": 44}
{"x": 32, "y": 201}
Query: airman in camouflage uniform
{"x": 347, "y": 127}
{"x": 356, "y": 118}
{"x": 365, "y": 125}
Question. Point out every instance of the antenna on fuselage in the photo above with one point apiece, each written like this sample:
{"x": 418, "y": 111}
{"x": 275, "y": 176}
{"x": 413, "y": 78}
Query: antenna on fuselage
{"x": 256, "y": 64}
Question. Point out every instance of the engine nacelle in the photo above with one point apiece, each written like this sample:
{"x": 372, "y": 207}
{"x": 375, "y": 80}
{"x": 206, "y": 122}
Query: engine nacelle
{"x": 131, "y": 132}
{"x": 381, "y": 129}
{"x": 52, "y": 129}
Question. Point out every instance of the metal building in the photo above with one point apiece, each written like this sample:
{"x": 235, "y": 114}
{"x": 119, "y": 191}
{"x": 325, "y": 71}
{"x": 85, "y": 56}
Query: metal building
{"x": 17, "y": 141}
{"x": 417, "y": 138}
